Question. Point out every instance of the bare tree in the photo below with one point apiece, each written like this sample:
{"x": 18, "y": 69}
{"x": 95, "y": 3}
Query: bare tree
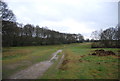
{"x": 6, "y": 13}
{"x": 96, "y": 35}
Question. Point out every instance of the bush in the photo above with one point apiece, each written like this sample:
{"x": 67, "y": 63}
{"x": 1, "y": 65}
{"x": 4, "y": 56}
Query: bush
{"x": 106, "y": 44}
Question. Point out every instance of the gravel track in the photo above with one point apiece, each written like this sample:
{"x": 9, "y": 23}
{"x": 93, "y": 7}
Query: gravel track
{"x": 36, "y": 70}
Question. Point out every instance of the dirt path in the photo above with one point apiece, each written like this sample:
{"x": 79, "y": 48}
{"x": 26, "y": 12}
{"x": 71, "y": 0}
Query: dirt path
{"x": 36, "y": 70}
{"x": 60, "y": 62}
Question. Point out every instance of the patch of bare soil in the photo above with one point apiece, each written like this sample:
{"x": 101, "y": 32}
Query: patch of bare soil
{"x": 64, "y": 64}
{"x": 80, "y": 60}
{"x": 82, "y": 56}
{"x": 102, "y": 53}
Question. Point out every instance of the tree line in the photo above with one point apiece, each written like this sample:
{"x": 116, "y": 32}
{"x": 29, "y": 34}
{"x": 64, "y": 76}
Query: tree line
{"x": 108, "y": 38}
{"x": 16, "y": 34}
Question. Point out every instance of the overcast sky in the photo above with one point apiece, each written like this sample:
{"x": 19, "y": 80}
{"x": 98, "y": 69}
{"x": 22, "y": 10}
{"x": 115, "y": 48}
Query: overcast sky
{"x": 68, "y": 16}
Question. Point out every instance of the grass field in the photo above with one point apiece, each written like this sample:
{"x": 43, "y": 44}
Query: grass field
{"x": 77, "y": 64}
{"x": 17, "y": 58}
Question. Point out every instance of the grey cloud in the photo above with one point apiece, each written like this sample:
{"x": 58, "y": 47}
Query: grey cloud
{"x": 95, "y": 15}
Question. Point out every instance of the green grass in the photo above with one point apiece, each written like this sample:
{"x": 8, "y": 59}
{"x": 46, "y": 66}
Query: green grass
{"x": 80, "y": 65}
{"x": 15, "y": 59}
{"x": 83, "y": 66}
